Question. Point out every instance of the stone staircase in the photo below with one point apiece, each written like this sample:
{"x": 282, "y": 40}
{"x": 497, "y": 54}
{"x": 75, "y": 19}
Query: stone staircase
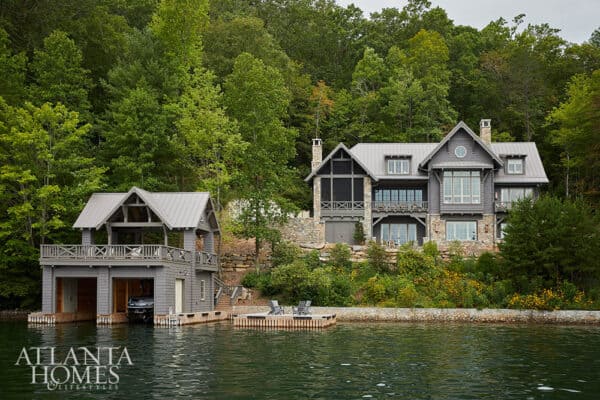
{"x": 225, "y": 295}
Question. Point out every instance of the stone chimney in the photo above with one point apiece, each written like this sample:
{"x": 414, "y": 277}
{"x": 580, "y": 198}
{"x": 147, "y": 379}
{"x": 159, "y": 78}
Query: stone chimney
{"x": 485, "y": 130}
{"x": 317, "y": 153}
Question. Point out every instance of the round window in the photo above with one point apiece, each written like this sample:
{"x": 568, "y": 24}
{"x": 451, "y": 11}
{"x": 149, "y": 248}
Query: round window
{"x": 460, "y": 151}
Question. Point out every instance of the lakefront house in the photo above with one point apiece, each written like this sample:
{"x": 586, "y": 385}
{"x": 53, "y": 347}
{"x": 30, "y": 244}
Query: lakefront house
{"x": 459, "y": 189}
{"x": 155, "y": 246}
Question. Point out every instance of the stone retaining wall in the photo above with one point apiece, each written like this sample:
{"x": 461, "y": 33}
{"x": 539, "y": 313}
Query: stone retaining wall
{"x": 376, "y": 314}
{"x": 13, "y": 315}
{"x": 303, "y": 229}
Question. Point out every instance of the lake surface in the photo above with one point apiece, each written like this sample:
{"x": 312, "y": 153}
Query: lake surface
{"x": 349, "y": 361}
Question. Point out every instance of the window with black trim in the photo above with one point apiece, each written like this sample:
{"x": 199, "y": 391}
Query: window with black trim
{"x": 398, "y": 166}
{"x": 514, "y": 166}
{"x": 462, "y": 187}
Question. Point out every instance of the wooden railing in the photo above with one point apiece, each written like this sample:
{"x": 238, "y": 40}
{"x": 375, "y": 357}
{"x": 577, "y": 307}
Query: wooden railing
{"x": 399, "y": 206}
{"x": 342, "y": 205}
{"x": 503, "y": 205}
{"x": 119, "y": 252}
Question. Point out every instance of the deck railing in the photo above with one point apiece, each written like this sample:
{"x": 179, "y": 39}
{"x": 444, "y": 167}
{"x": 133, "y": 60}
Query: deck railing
{"x": 399, "y": 206}
{"x": 342, "y": 205}
{"x": 119, "y": 252}
{"x": 503, "y": 205}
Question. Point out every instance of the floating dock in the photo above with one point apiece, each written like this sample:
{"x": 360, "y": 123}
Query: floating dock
{"x": 285, "y": 321}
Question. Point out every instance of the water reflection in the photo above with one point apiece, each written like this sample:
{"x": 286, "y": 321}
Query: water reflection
{"x": 417, "y": 361}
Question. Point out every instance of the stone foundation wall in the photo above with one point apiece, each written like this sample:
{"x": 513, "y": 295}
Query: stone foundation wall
{"x": 304, "y": 230}
{"x": 486, "y": 235}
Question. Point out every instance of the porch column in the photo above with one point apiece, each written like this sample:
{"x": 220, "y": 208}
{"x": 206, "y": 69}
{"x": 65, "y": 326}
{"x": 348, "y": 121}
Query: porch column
{"x": 103, "y": 291}
{"x": 48, "y": 290}
{"x": 87, "y": 237}
{"x": 368, "y": 216}
{"x": 209, "y": 242}
{"x": 317, "y": 198}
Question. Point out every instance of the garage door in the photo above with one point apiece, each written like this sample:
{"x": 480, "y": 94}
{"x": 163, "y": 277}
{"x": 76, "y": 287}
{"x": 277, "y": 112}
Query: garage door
{"x": 339, "y": 232}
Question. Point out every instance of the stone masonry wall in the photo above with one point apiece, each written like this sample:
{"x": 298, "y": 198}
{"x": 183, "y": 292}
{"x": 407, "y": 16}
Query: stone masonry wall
{"x": 485, "y": 235}
{"x": 369, "y": 314}
{"x": 304, "y": 230}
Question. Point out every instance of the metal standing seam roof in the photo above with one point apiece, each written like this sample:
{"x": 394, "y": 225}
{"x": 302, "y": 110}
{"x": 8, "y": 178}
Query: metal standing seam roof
{"x": 177, "y": 210}
{"x": 534, "y": 169}
{"x": 330, "y": 155}
{"x": 372, "y": 155}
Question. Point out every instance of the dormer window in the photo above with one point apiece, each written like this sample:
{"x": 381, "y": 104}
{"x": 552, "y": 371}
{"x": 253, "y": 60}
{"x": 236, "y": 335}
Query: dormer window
{"x": 398, "y": 166}
{"x": 514, "y": 166}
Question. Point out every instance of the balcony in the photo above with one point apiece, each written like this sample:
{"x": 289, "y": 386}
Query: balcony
{"x": 124, "y": 254}
{"x": 399, "y": 207}
{"x": 503, "y": 206}
{"x": 342, "y": 208}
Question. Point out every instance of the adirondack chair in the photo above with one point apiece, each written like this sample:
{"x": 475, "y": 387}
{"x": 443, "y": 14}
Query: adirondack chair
{"x": 303, "y": 308}
{"x": 276, "y": 309}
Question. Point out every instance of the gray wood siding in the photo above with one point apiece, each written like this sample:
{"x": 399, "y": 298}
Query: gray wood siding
{"x": 209, "y": 242}
{"x": 48, "y": 289}
{"x": 475, "y": 155}
{"x": 104, "y": 290}
{"x": 433, "y": 194}
{"x": 198, "y": 304}
{"x": 87, "y": 237}
{"x": 189, "y": 240}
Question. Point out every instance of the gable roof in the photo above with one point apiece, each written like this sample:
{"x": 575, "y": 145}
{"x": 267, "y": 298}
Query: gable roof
{"x": 476, "y": 138}
{"x": 177, "y": 210}
{"x": 341, "y": 146}
{"x": 373, "y": 156}
{"x": 533, "y": 168}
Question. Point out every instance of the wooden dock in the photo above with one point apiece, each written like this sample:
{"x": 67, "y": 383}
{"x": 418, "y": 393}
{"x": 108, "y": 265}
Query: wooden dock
{"x": 286, "y": 321}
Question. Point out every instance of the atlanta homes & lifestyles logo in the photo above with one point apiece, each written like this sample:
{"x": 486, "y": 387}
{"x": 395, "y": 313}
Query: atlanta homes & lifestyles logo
{"x": 80, "y": 368}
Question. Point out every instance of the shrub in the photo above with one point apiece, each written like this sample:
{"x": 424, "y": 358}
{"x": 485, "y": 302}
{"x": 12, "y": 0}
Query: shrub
{"x": 292, "y": 281}
{"x": 374, "y": 290}
{"x": 407, "y": 296}
{"x": 359, "y": 233}
{"x": 251, "y": 279}
{"x": 313, "y": 259}
{"x": 414, "y": 263}
{"x": 456, "y": 254}
{"x": 285, "y": 253}
{"x": 487, "y": 263}
{"x": 431, "y": 249}
{"x": 377, "y": 257}
{"x": 340, "y": 256}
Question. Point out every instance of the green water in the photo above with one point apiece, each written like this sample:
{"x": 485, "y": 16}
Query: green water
{"x": 349, "y": 361}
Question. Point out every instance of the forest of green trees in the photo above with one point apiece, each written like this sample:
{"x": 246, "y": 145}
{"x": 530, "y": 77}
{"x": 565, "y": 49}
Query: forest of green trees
{"x": 225, "y": 95}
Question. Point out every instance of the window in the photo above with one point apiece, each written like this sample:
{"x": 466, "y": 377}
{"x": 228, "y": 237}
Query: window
{"x": 460, "y": 151}
{"x": 399, "y": 195}
{"x": 462, "y": 187}
{"x": 502, "y": 228}
{"x": 202, "y": 289}
{"x": 461, "y": 230}
{"x": 398, "y": 166}
{"x": 510, "y": 195}
{"x": 514, "y": 166}
{"x": 398, "y": 233}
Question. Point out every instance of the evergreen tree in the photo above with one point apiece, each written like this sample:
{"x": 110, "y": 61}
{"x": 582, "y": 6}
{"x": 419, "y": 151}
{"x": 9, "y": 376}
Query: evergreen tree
{"x": 551, "y": 240}
{"x": 58, "y": 76}
{"x": 46, "y": 175}
{"x": 256, "y": 96}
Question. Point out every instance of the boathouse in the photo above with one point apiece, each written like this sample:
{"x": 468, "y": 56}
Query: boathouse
{"x": 139, "y": 243}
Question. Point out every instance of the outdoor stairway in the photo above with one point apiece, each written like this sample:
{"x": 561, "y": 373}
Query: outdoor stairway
{"x": 225, "y": 295}
{"x": 223, "y": 304}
